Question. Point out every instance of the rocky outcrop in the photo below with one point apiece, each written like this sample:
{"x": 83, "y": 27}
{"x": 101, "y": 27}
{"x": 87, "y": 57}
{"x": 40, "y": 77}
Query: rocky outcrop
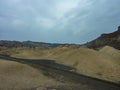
{"x": 111, "y": 39}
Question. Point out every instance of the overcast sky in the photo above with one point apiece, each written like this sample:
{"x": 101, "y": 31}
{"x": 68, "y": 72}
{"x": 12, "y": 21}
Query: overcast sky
{"x": 58, "y": 21}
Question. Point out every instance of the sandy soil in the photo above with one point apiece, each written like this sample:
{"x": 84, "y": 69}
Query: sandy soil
{"x": 103, "y": 64}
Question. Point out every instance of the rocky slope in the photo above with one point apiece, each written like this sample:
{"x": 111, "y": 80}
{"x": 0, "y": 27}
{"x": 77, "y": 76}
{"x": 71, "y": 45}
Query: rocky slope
{"x": 111, "y": 39}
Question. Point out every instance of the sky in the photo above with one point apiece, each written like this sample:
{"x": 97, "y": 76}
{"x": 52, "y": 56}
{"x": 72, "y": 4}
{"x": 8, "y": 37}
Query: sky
{"x": 58, "y": 21}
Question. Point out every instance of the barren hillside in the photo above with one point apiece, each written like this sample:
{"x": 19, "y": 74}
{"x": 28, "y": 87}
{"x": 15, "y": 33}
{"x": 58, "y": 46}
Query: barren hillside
{"x": 109, "y": 39}
{"x": 16, "y": 76}
{"x": 103, "y": 64}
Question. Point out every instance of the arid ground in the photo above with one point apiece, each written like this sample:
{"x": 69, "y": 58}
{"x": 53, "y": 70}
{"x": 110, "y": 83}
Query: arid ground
{"x": 63, "y": 74}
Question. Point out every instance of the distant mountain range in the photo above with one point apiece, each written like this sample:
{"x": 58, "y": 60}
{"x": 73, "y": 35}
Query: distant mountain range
{"x": 33, "y": 45}
{"x": 111, "y": 39}
{"x": 27, "y": 44}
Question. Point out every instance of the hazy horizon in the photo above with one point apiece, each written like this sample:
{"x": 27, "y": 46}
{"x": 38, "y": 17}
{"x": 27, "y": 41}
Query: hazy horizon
{"x": 57, "y": 21}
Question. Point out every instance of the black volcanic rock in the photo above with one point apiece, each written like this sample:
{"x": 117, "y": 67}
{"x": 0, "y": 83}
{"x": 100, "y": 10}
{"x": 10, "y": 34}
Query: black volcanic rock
{"x": 111, "y": 39}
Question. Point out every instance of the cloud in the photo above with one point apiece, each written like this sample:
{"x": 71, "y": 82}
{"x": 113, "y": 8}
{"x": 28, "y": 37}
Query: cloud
{"x": 73, "y": 21}
{"x": 64, "y": 6}
{"x": 44, "y": 22}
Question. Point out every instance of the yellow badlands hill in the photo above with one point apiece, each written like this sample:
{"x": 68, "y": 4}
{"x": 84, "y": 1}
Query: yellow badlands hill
{"x": 17, "y": 76}
{"x": 103, "y": 64}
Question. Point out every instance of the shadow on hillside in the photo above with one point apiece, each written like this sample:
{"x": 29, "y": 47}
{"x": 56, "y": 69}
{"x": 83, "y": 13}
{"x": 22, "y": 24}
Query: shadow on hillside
{"x": 39, "y": 62}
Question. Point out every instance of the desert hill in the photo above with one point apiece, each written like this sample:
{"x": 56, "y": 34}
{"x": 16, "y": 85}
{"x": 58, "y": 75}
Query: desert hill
{"x": 111, "y": 39}
{"x": 103, "y": 64}
{"x": 17, "y": 76}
